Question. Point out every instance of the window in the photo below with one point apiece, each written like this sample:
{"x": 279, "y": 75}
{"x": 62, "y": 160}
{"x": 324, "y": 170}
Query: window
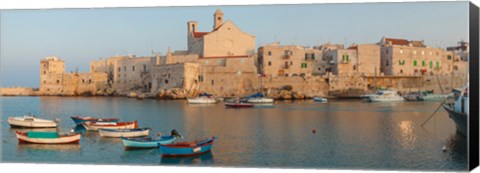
{"x": 449, "y": 57}
{"x": 401, "y": 62}
{"x": 83, "y": 80}
{"x": 414, "y": 52}
{"x": 291, "y": 62}
{"x": 306, "y": 57}
{"x": 213, "y": 82}
{"x": 415, "y": 63}
{"x": 144, "y": 68}
{"x": 168, "y": 76}
{"x": 354, "y": 67}
{"x": 401, "y": 71}
{"x": 58, "y": 81}
{"x": 166, "y": 81}
{"x": 387, "y": 63}
{"x": 44, "y": 72}
{"x": 437, "y": 65}
{"x": 423, "y": 63}
{"x": 423, "y": 52}
{"x": 401, "y": 51}
{"x": 269, "y": 63}
{"x": 124, "y": 68}
{"x": 89, "y": 80}
{"x": 303, "y": 65}
{"x": 269, "y": 53}
{"x": 312, "y": 56}
{"x": 431, "y": 64}
{"x": 133, "y": 68}
{"x": 118, "y": 68}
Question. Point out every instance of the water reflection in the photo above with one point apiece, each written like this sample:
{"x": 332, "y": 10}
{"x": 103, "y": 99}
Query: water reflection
{"x": 54, "y": 147}
{"x": 408, "y": 138}
{"x": 456, "y": 147}
{"x": 203, "y": 159}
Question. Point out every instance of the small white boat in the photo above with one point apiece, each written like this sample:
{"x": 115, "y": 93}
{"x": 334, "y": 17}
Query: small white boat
{"x": 386, "y": 96}
{"x": 202, "y": 100}
{"x": 320, "y": 99}
{"x": 260, "y": 100}
{"x": 95, "y": 126}
{"x": 31, "y": 122}
{"x": 127, "y": 133}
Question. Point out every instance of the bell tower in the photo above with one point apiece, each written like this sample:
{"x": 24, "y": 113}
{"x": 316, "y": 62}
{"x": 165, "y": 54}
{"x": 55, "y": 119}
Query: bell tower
{"x": 217, "y": 19}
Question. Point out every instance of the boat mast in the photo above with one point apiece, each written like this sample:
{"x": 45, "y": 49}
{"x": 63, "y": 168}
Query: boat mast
{"x": 375, "y": 80}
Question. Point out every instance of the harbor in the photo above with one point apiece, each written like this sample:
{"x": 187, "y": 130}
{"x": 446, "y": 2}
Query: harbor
{"x": 341, "y": 134}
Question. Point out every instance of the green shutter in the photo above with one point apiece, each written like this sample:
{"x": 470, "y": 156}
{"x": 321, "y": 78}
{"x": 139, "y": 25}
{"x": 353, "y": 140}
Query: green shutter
{"x": 438, "y": 64}
{"x": 415, "y": 63}
{"x": 431, "y": 64}
{"x": 347, "y": 58}
{"x": 423, "y": 63}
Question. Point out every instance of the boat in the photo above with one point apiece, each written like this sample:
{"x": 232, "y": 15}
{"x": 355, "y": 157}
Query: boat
{"x": 47, "y": 137}
{"x": 258, "y": 98}
{"x": 386, "y": 96}
{"x": 239, "y": 105}
{"x": 80, "y": 120}
{"x": 414, "y": 96}
{"x": 180, "y": 149}
{"x": 32, "y": 122}
{"x": 429, "y": 96}
{"x": 458, "y": 109}
{"x": 203, "y": 98}
{"x": 143, "y": 143}
{"x": 118, "y": 133}
{"x": 320, "y": 99}
{"x": 94, "y": 126}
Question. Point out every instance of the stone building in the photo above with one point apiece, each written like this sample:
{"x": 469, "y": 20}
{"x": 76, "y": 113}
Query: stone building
{"x": 402, "y": 57}
{"x": 287, "y": 60}
{"x": 54, "y": 80}
{"x": 462, "y": 50}
{"x": 360, "y": 59}
{"x": 225, "y": 39}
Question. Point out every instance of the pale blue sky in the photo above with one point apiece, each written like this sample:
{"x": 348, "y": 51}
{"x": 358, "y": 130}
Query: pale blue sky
{"x": 81, "y": 35}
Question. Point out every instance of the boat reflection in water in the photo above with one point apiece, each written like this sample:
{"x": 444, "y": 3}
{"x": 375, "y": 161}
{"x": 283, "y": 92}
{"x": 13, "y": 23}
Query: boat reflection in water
{"x": 203, "y": 159}
{"x": 46, "y": 147}
{"x": 457, "y": 148}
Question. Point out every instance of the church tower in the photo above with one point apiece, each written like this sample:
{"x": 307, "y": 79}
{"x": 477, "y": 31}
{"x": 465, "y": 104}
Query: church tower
{"x": 217, "y": 19}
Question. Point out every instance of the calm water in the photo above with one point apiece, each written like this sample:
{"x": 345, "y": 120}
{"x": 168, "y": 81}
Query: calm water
{"x": 349, "y": 134}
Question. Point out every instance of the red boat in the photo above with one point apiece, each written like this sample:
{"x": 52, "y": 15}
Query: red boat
{"x": 239, "y": 105}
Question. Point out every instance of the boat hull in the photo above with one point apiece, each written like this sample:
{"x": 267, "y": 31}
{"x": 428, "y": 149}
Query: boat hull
{"x": 123, "y": 133}
{"x": 320, "y": 100}
{"x": 71, "y": 139}
{"x": 18, "y": 122}
{"x": 260, "y": 100}
{"x": 145, "y": 144}
{"x": 201, "y": 101}
{"x": 80, "y": 120}
{"x": 460, "y": 119}
{"x": 122, "y": 125}
{"x": 242, "y": 105}
{"x": 174, "y": 150}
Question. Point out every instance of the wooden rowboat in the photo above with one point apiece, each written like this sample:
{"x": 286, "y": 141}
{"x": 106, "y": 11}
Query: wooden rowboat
{"x": 143, "y": 143}
{"x": 47, "y": 137}
{"x": 94, "y": 126}
{"x": 182, "y": 149}
{"x": 80, "y": 120}
{"x": 31, "y": 122}
{"x": 128, "y": 133}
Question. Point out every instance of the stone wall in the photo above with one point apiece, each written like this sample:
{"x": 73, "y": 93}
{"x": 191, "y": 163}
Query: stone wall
{"x": 18, "y": 91}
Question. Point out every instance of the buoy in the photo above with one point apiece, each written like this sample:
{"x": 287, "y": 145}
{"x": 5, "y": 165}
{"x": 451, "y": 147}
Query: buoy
{"x": 314, "y": 131}
{"x": 444, "y": 148}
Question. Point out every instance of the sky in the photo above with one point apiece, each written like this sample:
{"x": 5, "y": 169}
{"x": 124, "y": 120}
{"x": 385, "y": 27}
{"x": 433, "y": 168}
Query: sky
{"x": 79, "y": 36}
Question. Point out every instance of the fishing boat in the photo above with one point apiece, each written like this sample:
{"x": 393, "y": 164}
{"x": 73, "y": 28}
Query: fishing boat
{"x": 80, "y": 120}
{"x": 458, "y": 110}
{"x": 239, "y": 105}
{"x": 31, "y": 122}
{"x": 187, "y": 148}
{"x": 94, "y": 126}
{"x": 429, "y": 96}
{"x": 128, "y": 133}
{"x": 413, "y": 96}
{"x": 320, "y": 99}
{"x": 386, "y": 96}
{"x": 47, "y": 137}
{"x": 143, "y": 143}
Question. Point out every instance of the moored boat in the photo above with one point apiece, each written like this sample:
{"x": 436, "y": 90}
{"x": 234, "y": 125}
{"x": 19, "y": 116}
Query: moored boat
{"x": 47, "y": 137}
{"x": 386, "y": 96}
{"x": 94, "y": 126}
{"x": 320, "y": 99}
{"x": 203, "y": 98}
{"x": 458, "y": 111}
{"x": 180, "y": 149}
{"x": 143, "y": 143}
{"x": 31, "y": 122}
{"x": 79, "y": 120}
{"x": 128, "y": 133}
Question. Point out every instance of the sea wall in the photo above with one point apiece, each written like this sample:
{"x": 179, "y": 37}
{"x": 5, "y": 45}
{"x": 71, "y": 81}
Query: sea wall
{"x": 18, "y": 91}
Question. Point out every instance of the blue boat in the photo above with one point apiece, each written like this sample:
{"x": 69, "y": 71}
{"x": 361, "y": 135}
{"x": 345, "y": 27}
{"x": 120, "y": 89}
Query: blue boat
{"x": 184, "y": 149}
{"x": 144, "y": 143}
{"x": 80, "y": 120}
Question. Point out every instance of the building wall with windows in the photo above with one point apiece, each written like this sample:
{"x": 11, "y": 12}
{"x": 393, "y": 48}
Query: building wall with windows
{"x": 287, "y": 60}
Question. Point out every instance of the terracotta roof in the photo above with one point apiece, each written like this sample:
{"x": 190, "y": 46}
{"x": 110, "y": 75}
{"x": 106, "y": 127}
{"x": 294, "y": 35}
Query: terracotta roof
{"x": 199, "y": 34}
{"x": 231, "y": 56}
{"x": 396, "y": 41}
